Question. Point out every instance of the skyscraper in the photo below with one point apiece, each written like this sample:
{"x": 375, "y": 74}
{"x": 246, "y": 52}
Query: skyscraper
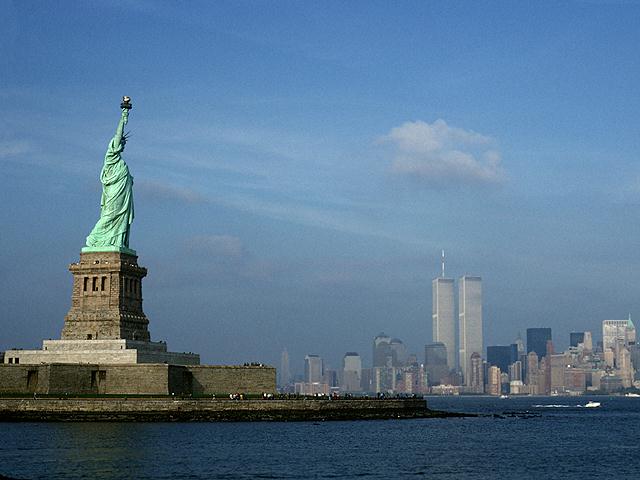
{"x": 283, "y": 375}
{"x": 435, "y": 362}
{"x": 537, "y": 340}
{"x": 382, "y": 351}
{"x": 443, "y": 320}
{"x": 313, "y": 369}
{"x": 476, "y": 374}
{"x": 388, "y": 352}
{"x": 575, "y": 338}
{"x": 351, "y": 372}
{"x": 617, "y": 331}
{"x": 470, "y": 321}
{"x": 502, "y": 356}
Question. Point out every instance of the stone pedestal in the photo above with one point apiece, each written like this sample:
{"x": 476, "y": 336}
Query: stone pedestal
{"x": 106, "y": 323}
{"x": 106, "y": 302}
{"x": 101, "y": 351}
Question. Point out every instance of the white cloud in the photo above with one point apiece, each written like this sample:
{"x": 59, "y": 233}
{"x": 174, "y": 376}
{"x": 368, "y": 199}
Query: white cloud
{"x": 439, "y": 154}
{"x": 218, "y": 245}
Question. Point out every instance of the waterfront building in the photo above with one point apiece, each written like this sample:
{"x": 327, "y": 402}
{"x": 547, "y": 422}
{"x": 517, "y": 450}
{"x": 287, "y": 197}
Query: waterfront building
{"x": 314, "y": 389}
{"x": 625, "y": 368}
{"x": 351, "y": 372}
{"x": 557, "y": 364}
{"x": 537, "y": 340}
{"x": 470, "y": 322}
{"x": 443, "y": 317}
{"x": 494, "y": 381}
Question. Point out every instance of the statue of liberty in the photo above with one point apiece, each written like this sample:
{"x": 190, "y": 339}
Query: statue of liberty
{"x": 116, "y": 206}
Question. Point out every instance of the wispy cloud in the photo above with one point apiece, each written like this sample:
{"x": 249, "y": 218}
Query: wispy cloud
{"x": 165, "y": 191}
{"x": 440, "y": 154}
{"x": 218, "y": 245}
{"x": 13, "y": 148}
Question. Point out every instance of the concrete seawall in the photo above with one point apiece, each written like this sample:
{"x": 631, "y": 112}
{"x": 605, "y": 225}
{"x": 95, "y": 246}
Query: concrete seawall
{"x": 168, "y": 409}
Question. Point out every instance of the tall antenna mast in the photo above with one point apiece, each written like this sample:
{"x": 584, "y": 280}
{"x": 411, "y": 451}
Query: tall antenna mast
{"x": 442, "y": 263}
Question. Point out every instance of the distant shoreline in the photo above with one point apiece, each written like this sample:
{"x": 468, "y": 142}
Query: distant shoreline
{"x": 211, "y": 410}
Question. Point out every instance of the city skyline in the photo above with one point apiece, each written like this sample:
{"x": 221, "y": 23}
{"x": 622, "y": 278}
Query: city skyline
{"x": 299, "y": 169}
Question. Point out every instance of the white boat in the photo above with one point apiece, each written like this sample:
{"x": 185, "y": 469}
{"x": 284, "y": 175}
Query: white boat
{"x": 592, "y": 404}
{"x": 504, "y": 396}
{"x": 632, "y": 395}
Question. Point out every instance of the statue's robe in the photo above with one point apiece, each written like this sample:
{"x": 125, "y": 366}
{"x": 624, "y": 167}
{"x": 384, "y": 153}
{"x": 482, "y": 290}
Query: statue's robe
{"x": 116, "y": 206}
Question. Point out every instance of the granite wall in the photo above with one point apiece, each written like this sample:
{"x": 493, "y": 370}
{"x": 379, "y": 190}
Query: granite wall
{"x": 145, "y": 379}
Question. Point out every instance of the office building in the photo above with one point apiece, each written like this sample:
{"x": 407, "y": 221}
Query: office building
{"x": 313, "y": 369}
{"x": 476, "y": 374}
{"x": 284, "y": 375}
{"x": 435, "y": 363}
{"x": 382, "y": 354}
{"x": 502, "y": 356}
{"x": 443, "y": 317}
{"x": 587, "y": 342}
{"x": 388, "y": 352}
{"x": 470, "y": 322}
{"x": 616, "y": 332}
{"x": 575, "y": 338}
{"x": 351, "y": 372}
{"x": 494, "y": 381}
{"x": 537, "y": 340}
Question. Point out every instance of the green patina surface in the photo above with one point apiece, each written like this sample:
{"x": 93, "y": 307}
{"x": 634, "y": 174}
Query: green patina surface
{"x": 109, "y": 249}
{"x": 116, "y": 206}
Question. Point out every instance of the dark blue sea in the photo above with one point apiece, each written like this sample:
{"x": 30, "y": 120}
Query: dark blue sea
{"x": 531, "y": 438}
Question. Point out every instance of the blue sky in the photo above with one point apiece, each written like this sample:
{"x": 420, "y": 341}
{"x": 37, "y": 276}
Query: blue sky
{"x": 299, "y": 165}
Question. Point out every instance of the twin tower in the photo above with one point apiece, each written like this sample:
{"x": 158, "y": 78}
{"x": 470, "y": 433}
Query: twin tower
{"x": 469, "y": 324}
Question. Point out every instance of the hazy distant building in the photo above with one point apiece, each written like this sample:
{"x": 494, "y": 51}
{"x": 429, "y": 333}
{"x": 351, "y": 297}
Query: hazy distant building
{"x": 388, "y": 352}
{"x": 366, "y": 381}
{"x": 537, "y": 339}
{"x": 284, "y": 375}
{"x": 558, "y": 363}
{"x": 398, "y": 352}
{"x": 575, "y": 338}
{"x": 443, "y": 317}
{"x": 587, "y": 342}
{"x": 611, "y": 383}
{"x": 435, "y": 363}
{"x": 470, "y": 322}
{"x": 532, "y": 373}
{"x": 382, "y": 354}
{"x": 313, "y": 369}
{"x": 520, "y": 345}
{"x": 351, "y": 372}
{"x": 625, "y": 367}
{"x": 634, "y": 351}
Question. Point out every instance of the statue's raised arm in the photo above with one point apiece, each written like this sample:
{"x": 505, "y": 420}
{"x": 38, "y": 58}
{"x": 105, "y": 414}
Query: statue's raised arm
{"x": 116, "y": 208}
